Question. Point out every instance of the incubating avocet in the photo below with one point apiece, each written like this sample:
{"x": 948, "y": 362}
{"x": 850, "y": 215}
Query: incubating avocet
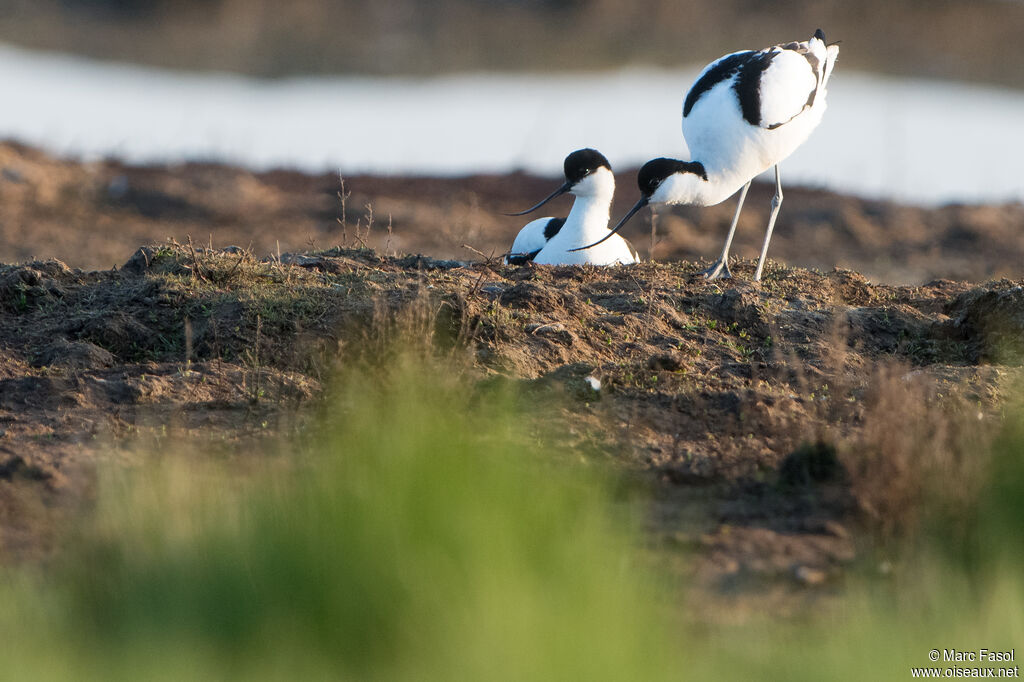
{"x": 556, "y": 241}
{"x": 745, "y": 113}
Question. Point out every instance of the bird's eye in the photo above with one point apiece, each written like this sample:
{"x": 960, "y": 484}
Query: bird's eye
{"x": 586, "y": 171}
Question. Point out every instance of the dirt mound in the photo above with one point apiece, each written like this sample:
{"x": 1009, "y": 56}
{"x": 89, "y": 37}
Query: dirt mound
{"x": 990, "y": 322}
{"x": 707, "y": 391}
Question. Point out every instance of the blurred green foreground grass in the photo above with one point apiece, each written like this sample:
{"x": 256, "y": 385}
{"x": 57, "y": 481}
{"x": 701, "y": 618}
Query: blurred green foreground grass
{"x": 424, "y": 532}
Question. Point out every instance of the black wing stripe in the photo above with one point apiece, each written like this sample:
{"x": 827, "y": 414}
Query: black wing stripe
{"x": 748, "y": 68}
{"x": 551, "y": 229}
{"x": 725, "y": 68}
{"x": 748, "y": 84}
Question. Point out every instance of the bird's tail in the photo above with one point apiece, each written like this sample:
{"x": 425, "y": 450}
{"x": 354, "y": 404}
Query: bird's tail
{"x": 830, "y": 61}
{"x": 831, "y": 54}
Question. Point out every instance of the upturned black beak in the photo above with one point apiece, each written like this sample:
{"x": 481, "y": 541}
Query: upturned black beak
{"x": 558, "y": 192}
{"x": 625, "y": 219}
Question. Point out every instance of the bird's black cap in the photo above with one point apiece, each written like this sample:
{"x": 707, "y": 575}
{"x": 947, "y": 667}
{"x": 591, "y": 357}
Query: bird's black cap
{"x": 582, "y": 163}
{"x": 820, "y": 35}
{"x": 578, "y": 165}
{"x": 654, "y": 172}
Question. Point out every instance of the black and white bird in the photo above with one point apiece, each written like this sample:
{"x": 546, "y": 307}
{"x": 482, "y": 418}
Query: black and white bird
{"x": 745, "y": 113}
{"x": 556, "y": 241}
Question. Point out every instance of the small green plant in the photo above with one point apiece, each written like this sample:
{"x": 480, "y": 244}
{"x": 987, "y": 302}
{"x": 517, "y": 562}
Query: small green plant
{"x": 20, "y": 299}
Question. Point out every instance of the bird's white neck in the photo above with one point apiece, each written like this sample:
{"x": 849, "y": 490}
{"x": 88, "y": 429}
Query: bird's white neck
{"x": 588, "y": 219}
{"x": 693, "y": 189}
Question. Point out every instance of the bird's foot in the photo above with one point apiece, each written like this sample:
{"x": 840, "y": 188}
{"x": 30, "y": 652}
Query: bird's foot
{"x": 718, "y": 270}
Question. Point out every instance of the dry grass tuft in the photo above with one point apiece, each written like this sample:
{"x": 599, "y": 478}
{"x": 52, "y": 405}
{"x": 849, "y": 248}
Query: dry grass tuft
{"x": 919, "y": 452}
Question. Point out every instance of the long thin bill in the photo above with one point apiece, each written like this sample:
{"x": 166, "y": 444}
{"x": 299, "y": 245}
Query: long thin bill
{"x": 558, "y": 192}
{"x": 636, "y": 207}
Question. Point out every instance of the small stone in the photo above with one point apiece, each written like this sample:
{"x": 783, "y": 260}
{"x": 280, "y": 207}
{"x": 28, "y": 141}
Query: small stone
{"x": 809, "y": 576}
{"x": 555, "y": 331}
{"x": 837, "y": 529}
{"x": 544, "y": 328}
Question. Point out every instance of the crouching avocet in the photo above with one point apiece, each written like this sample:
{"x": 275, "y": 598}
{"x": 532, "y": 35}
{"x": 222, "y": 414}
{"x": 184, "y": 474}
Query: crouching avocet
{"x": 745, "y": 113}
{"x": 556, "y": 241}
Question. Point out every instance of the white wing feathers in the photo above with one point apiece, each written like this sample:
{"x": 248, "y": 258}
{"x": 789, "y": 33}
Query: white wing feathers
{"x": 791, "y": 82}
{"x": 788, "y": 86}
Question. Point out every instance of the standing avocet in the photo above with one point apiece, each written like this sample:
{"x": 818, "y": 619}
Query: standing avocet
{"x": 745, "y": 113}
{"x": 556, "y": 241}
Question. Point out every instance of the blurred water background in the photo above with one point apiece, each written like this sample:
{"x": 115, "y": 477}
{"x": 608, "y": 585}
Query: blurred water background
{"x": 924, "y": 107}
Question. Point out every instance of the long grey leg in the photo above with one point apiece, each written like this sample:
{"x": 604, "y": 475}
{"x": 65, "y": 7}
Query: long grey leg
{"x": 720, "y": 268}
{"x": 776, "y": 205}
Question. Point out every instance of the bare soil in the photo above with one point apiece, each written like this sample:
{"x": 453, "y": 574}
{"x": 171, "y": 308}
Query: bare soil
{"x": 743, "y": 406}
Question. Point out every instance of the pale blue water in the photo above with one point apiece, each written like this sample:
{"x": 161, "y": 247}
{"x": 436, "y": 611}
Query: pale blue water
{"x": 910, "y": 140}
